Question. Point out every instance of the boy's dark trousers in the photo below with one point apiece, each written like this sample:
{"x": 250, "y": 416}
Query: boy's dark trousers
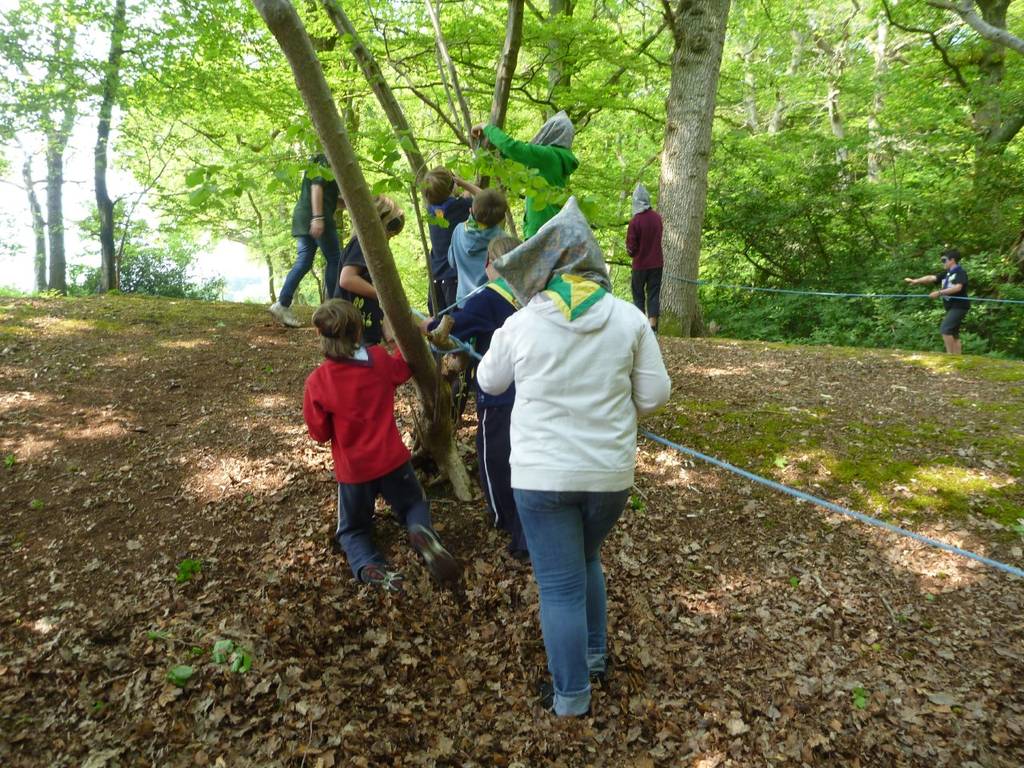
{"x": 646, "y": 288}
{"x": 493, "y": 447}
{"x": 445, "y": 291}
{"x": 403, "y": 493}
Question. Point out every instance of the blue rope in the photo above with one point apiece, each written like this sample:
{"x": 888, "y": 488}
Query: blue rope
{"x": 463, "y": 346}
{"x": 832, "y": 294}
{"x": 1012, "y": 570}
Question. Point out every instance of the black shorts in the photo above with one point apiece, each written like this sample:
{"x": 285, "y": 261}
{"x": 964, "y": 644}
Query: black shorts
{"x": 951, "y": 322}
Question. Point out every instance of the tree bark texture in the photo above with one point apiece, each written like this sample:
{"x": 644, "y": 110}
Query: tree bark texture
{"x": 698, "y": 30}
{"x": 434, "y": 421}
{"x": 109, "y": 278}
{"x": 507, "y": 63}
{"x": 58, "y": 280}
{"x": 38, "y": 224}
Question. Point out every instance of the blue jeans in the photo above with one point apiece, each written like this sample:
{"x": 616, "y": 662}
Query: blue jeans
{"x": 564, "y": 531}
{"x": 331, "y": 249}
{"x": 400, "y": 489}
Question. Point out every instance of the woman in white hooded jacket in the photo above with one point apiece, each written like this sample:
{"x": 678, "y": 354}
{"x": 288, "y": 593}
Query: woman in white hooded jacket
{"x": 585, "y": 365}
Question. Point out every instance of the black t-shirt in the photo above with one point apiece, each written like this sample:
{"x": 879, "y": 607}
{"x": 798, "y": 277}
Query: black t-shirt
{"x": 303, "y": 211}
{"x": 954, "y": 276}
{"x": 454, "y": 210}
{"x": 373, "y": 315}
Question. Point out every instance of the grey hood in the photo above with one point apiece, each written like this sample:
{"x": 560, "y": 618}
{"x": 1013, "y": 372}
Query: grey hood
{"x": 641, "y": 199}
{"x": 558, "y": 131}
{"x": 564, "y": 245}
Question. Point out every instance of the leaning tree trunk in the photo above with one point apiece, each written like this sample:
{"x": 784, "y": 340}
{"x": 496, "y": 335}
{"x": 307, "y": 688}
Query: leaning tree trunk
{"x": 507, "y": 62}
{"x": 698, "y": 29}
{"x": 392, "y": 110}
{"x": 38, "y": 224}
{"x": 434, "y": 421}
{"x": 109, "y": 278}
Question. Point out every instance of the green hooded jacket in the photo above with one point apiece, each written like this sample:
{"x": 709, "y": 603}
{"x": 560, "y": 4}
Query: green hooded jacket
{"x": 554, "y": 163}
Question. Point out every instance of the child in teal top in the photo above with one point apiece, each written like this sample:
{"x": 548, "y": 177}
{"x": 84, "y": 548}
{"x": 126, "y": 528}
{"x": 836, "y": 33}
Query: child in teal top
{"x": 468, "y": 250}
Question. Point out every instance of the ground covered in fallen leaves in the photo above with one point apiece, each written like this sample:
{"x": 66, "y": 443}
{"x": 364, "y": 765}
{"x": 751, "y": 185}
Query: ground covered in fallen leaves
{"x": 169, "y": 597}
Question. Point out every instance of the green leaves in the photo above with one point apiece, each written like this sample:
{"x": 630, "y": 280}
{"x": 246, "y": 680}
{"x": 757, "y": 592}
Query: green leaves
{"x": 36, "y": 504}
{"x": 9, "y": 460}
{"x": 188, "y": 568}
{"x": 179, "y": 675}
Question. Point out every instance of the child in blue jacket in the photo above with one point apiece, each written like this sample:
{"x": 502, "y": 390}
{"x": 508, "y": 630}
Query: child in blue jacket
{"x": 483, "y": 313}
{"x": 468, "y": 250}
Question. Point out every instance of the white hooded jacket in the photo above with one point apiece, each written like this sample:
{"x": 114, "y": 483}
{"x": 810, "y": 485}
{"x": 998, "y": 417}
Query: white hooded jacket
{"x": 580, "y": 386}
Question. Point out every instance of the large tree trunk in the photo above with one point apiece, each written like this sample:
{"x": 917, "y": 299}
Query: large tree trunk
{"x": 111, "y": 78}
{"x": 38, "y": 224}
{"x": 698, "y": 30}
{"x": 994, "y": 127}
{"x": 434, "y": 420}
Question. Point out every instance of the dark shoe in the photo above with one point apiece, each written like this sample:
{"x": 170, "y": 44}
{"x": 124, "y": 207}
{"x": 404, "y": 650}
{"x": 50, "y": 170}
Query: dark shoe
{"x": 546, "y": 699}
{"x": 602, "y": 676}
{"x": 439, "y": 561}
{"x": 336, "y": 547}
{"x": 377, "y": 576}
{"x": 522, "y": 555}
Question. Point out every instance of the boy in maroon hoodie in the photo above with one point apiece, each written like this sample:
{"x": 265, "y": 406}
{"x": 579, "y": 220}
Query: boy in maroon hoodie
{"x": 350, "y": 401}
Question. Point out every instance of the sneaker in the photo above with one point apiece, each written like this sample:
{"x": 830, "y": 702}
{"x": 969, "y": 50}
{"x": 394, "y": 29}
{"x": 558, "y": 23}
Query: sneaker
{"x": 378, "y": 576}
{"x": 439, "y": 561}
{"x": 284, "y": 315}
{"x": 602, "y": 676}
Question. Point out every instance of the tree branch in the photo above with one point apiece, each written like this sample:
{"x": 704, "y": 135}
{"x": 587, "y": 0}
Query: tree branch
{"x": 965, "y": 10}
{"x": 934, "y": 39}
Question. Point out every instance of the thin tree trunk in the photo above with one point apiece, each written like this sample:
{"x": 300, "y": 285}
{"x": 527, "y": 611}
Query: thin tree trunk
{"x": 881, "y": 56}
{"x": 434, "y": 421}
{"x": 698, "y": 30}
{"x": 38, "y": 224}
{"x": 388, "y": 103}
{"x": 750, "y": 89}
{"x": 108, "y": 259}
{"x": 507, "y": 62}
{"x": 778, "y": 118}
{"x": 559, "y": 67}
{"x": 447, "y": 63}
{"x": 58, "y": 280}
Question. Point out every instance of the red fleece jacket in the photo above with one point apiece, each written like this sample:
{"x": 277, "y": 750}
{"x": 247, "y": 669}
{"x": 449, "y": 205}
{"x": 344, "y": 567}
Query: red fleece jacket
{"x": 352, "y": 404}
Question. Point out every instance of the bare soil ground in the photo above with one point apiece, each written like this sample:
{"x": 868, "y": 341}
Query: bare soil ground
{"x": 746, "y": 628}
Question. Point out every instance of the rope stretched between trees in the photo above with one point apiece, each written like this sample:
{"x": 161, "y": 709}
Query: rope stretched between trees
{"x": 873, "y": 521}
{"x": 776, "y": 486}
{"x": 832, "y": 294}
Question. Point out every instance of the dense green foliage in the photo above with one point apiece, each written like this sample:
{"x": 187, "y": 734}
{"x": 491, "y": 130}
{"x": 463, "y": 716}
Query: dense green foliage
{"x": 849, "y": 149}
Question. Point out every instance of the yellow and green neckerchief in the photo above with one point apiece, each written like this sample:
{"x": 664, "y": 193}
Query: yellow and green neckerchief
{"x": 573, "y": 295}
{"x": 503, "y": 289}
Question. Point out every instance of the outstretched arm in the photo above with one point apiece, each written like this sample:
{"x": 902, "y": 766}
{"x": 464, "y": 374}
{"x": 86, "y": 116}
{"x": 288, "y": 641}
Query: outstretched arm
{"x": 352, "y": 281}
{"x": 925, "y": 280}
{"x": 530, "y": 155}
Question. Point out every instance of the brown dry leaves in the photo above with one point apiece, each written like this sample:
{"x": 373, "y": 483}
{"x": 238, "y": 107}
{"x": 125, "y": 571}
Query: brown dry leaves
{"x": 745, "y": 629}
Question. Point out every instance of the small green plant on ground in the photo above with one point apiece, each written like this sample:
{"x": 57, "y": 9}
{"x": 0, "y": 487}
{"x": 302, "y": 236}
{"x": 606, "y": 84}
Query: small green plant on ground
{"x": 860, "y": 698}
{"x": 9, "y": 460}
{"x": 188, "y": 568}
{"x": 36, "y": 504}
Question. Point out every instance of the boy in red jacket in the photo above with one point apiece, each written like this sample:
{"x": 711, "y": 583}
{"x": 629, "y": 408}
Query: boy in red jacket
{"x": 350, "y": 401}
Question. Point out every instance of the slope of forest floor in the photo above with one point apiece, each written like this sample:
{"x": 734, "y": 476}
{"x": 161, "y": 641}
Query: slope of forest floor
{"x": 745, "y": 628}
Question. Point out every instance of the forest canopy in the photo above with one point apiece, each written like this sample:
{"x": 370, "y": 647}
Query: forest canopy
{"x": 851, "y": 142}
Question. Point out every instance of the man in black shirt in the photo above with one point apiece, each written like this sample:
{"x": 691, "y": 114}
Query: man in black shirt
{"x": 954, "y": 297}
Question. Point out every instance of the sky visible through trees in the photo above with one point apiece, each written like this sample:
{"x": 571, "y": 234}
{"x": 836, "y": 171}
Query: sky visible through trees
{"x": 850, "y": 142}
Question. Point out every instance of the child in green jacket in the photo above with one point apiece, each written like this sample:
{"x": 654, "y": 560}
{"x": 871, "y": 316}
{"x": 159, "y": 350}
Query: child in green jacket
{"x": 549, "y": 152}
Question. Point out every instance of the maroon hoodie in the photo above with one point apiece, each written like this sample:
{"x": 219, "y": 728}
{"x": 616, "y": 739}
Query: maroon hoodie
{"x": 643, "y": 240}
